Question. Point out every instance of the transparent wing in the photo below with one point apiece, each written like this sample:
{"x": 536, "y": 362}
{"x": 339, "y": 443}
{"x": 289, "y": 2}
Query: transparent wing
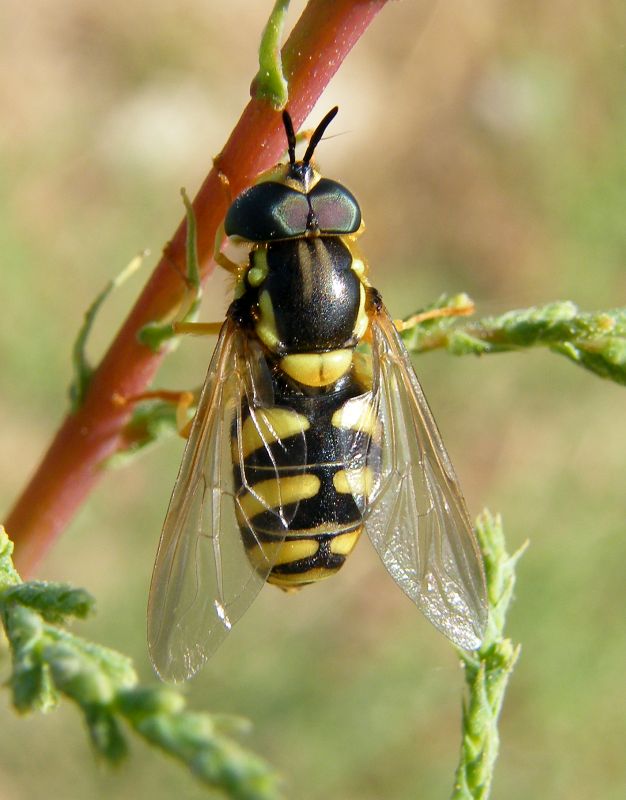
{"x": 416, "y": 515}
{"x": 204, "y": 578}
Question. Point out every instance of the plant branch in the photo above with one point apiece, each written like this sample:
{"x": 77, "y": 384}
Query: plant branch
{"x": 594, "y": 340}
{"x": 318, "y": 44}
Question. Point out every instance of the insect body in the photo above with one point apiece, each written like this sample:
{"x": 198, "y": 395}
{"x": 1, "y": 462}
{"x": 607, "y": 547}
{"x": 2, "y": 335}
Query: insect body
{"x": 311, "y": 427}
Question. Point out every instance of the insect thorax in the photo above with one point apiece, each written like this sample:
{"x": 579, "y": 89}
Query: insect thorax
{"x": 314, "y": 294}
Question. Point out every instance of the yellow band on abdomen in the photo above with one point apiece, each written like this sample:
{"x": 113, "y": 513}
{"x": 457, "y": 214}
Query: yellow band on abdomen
{"x": 281, "y": 552}
{"x": 358, "y": 481}
{"x": 268, "y": 425}
{"x": 276, "y": 493}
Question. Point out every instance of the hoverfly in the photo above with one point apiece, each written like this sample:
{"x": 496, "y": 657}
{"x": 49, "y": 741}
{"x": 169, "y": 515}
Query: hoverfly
{"x": 310, "y": 428}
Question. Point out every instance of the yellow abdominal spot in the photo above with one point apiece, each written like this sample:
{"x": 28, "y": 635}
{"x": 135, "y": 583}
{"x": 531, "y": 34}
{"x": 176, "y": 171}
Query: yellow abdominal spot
{"x": 357, "y": 415}
{"x": 354, "y": 481}
{"x": 317, "y": 369}
{"x": 267, "y": 426}
{"x": 344, "y": 543}
{"x": 276, "y": 553}
{"x": 276, "y": 493}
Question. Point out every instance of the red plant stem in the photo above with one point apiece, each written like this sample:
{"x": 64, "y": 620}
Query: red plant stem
{"x": 321, "y": 39}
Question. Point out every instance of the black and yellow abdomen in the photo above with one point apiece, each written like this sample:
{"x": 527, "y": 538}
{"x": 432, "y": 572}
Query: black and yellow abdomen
{"x": 319, "y": 480}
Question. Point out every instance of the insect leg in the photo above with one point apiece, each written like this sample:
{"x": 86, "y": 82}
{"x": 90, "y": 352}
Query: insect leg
{"x": 197, "y": 328}
{"x": 433, "y": 313}
{"x": 220, "y": 259}
{"x": 183, "y": 401}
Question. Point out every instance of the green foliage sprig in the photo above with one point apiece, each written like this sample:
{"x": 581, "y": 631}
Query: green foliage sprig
{"x": 81, "y": 367}
{"x": 155, "y": 334}
{"x": 594, "y": 340}
{"x": 49, "y": 662}
{"x": 271, "y": 84}
{"x": 488, "y": 669}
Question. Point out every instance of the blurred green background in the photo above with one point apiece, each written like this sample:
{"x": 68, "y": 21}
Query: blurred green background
{"x": 487, "y": 145}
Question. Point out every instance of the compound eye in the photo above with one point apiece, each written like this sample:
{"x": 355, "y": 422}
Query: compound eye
{"x": 336, "y": 209}
{"x": 267, "y": 211}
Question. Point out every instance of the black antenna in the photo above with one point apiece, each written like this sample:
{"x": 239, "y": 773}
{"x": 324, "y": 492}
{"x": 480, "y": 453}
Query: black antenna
{"x": 318, "y": 133}
{"x": 291, "y": 137}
